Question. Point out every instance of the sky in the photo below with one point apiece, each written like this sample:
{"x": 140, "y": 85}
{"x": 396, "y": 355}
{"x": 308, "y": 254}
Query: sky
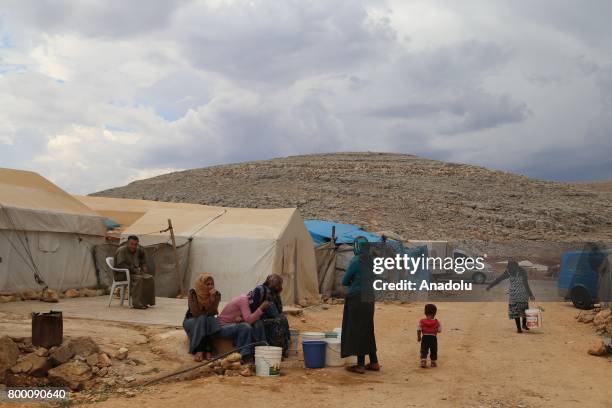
{"x": 95, "y": 94}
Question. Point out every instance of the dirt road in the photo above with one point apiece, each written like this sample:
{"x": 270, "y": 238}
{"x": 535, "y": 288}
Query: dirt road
{"x": 483, "y": 362}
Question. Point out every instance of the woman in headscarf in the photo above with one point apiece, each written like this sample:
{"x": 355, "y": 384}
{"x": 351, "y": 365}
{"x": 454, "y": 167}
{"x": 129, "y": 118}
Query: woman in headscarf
{"x": 519, "y": 293}
{"x": 200, "y": 322}
{"x": 358, "y": 318}
{"x": 275, "y": 323}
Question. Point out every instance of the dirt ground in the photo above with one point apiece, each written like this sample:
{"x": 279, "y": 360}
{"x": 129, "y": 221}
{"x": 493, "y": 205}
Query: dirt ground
{"x": 483, "y": 362}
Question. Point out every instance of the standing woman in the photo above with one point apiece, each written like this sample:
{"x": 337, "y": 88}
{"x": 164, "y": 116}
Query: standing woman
{"x": 519, "y": 293}
{"x": 200, "y": 322}
{"x": 358, "y": 318}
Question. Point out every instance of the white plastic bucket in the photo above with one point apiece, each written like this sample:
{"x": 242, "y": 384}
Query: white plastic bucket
{"x": 294, "y": 342}
{"x": 268, "y": 361}
{"x": 534, "y": 318}
{"x": 332, "y": 354}
{"x": 310, "y": 336}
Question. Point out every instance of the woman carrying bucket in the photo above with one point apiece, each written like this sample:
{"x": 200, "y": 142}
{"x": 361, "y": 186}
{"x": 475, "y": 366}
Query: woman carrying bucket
{"x": 358, "y": 318}
{"x": 200, "y": 322}
{"x": 519, "y": 293}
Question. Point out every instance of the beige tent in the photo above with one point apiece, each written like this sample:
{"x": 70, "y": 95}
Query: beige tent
{"x": 239, "y": 246}
{"x": 46, "y": 235}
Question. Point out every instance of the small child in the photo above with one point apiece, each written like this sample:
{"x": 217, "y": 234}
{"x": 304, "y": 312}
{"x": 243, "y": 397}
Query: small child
{"x": 427, "y": 332}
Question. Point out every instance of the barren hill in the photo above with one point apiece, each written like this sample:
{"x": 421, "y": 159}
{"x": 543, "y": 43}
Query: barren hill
{"x": 414, "y": 197}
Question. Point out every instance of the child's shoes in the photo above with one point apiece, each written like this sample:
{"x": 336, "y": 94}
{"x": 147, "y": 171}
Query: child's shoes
{"x": 423, "y": 363}
{"x": 434, "y": 364}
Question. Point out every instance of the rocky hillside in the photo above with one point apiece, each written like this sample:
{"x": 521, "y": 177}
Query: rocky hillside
{"x": 411, "y": 196}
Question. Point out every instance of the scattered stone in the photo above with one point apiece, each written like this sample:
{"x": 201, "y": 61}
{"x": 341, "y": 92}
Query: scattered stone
{"x": 246, "y": 372}
{"x": 598, "y": 349}
{"x": 72, "y": 374}
{"x": 42, "y": 352}
{"x": 122, "y": 353}
{"x": 88, "y": 292}
{"x": 25, "y": 381}
{"x": 50, "y": 296}
{"x": 8, "y": 298}
{"x": 102, "y": 372}
{"x": 142, "y": 340}
{"x": 72, "y": 293}
{"x": 94, "y": 370}
{"x": 219, "y": 370}
{"x": 324, "y": 306}
{"x": 92, "y": 359}
{"x": 33, "y": 365}
{"x": 104, "y": 360}
{"x": 232, "y": 358}
{"x": 30, "y": 295}
{"x": 9, "y": 352}
{"x": 303, "y": 320}
{"x": 129, "y": 378}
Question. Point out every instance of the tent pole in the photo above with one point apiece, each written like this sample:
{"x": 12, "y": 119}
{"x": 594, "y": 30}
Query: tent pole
{"x": 176, "y": 260}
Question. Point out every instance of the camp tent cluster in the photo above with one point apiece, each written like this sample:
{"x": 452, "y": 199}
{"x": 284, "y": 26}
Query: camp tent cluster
{"x": 48, "y": 235}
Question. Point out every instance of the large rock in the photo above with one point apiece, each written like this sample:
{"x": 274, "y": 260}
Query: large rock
{"x": 33, "y": 365}
{"x": 104, "y": 360}
{"x": 62, "y": 354}
{"x": 9, "y": 352}
{"x": 83, "y": 346}
{"x": 25, "y": 381}
{"x": 72, "y": 293}
{"x": 72, "y": 374}
{"x": 30, "y": 295}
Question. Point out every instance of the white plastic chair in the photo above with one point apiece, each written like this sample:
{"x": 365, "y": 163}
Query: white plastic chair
{"x": 122, "y": 285}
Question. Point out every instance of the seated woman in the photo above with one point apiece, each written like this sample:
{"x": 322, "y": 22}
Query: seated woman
{"x": 275, "y": 323}
{"x": 237, "y": 323}
{"x": 200, "y": 322}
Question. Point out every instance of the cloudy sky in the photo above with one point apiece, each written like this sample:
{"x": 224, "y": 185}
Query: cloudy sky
{"x": 94, "y": 94}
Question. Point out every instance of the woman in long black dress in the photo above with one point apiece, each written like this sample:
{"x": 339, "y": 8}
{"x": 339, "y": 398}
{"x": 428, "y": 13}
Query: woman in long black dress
{"x": 200, "y": 322}
{"x": 358, "y": 318}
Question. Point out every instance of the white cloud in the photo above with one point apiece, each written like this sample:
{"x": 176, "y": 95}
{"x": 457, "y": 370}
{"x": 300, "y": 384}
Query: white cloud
{"x": 94, "y": 95}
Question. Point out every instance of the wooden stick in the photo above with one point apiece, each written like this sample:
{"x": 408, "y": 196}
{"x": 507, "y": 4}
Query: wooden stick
{"x": 176, "y": 260}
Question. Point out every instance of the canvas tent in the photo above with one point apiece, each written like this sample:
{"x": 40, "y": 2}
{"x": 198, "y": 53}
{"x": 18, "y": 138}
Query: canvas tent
{"x": 46, "y": 235}
{"x": 238, "y": 246}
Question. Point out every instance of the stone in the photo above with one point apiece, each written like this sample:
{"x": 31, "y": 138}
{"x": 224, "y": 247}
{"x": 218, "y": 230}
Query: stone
{"x": 601, "y": 318}
{"x": 92, "y": 359}
{"x": 246, "y": 372}
{"x": 9, "y": 353}
{"x": 7, "y": 298}
{"x": 129, "y": 379}
{"x": 104, "y": 360}
{"x": 25, "y": 381}
{"x": 232, "y": 358}
{"x": 42, "y": 352}
{"x": 61, "y": 354}
{"x": 50, "y": 296}
{"x": 598, "y": 349}
{"x": 122, "y": 353}
{"x": 88, "y": 292}
{"x": 30, "y": 295}
{"x": 84, "y": 345}
{"x": 94, "y": 370}
{"x": 72, "y": 375}
{"x": 72, "y": 293}
{"x": 102, "y": 372}
{"x": 33, "y": 365}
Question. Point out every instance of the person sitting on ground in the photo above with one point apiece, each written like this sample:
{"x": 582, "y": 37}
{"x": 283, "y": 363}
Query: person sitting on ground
{"x": 238, "y": 324}
{"x": 132, "y": 256}
{"x": 200, "y": 323}
{"x": 275, "y": 323}
{"x": 427, "y": 334}
{"x": 518, "y": 294}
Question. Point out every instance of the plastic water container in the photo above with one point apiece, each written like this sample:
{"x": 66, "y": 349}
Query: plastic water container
{"x": 314, "y": 353}
{"x": 268, "y": 361}
{"x": 534, "y": 318}
{"x": 332, "y": 354}
{"x": 312, "y": 336}
{"x": 293, "y": 342}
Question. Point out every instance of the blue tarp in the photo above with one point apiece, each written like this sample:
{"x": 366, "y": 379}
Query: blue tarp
{"x": 111, "y": 224}
{"x": 321, "y": 232}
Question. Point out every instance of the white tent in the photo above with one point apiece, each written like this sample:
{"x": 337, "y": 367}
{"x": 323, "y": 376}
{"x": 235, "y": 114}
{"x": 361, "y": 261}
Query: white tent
{"x": 238, "y": 246}
{"x": 45, "y": 235}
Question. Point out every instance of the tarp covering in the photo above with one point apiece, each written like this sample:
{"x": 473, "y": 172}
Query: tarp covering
{"x": 238, "y": 246}
{"x": 321, "y": 231}
{"x": 44, "y": 233}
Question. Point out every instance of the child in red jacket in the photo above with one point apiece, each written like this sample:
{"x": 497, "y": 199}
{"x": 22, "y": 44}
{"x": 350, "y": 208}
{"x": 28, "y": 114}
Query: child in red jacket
{"x": 427, "y": 334}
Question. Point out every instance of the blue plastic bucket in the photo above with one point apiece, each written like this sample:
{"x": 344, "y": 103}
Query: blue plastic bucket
{"x": 314, "y": 353}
